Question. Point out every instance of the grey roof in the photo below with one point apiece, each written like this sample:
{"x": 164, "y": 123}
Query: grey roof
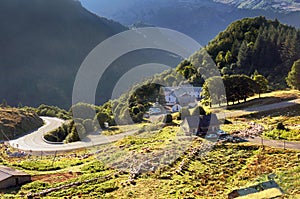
{"x": 202, "y": 121}
{"x": 7, "y": 172}
{"x": 181, "y": 90}
{"x": 193, "y": 121}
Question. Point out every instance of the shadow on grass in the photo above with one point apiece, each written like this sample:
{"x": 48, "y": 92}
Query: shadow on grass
{"x": 291, "y": 111}
{"x": 258, "y": 102}
{"x": 11, "y": 190}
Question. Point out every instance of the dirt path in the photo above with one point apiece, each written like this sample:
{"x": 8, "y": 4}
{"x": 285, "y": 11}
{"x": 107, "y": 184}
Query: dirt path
{"x": 275, "y": 143}
{"x": 258, "y": 140}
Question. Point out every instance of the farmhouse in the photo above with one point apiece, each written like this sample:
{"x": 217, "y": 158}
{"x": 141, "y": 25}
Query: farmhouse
{"x": 200, "y": 125}
{"x": 187, "y": 100}
{"x": 184, "y": 95}
{"x": 12, "y": 178}
{"x": 170, "y": 99}
{"x": 176, "y": 108}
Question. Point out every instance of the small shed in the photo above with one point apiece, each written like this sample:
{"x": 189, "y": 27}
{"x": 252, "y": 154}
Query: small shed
{"x": 191, "y": 124}
{"x": 200, "y": 125}
{"x": 10, "y": 177}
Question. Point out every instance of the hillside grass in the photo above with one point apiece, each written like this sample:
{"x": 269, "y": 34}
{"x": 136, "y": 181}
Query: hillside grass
{"x": 213, "y": 175}
{"x": 15, "y": 122}
{"x": 264, "y": 99}
{"x": 267, "y": 98}
{"x": 121, "y": 129}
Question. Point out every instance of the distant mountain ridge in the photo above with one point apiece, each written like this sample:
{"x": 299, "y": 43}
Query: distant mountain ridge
{"x": 200, "y": 19}
{"x": 276, "y": 5}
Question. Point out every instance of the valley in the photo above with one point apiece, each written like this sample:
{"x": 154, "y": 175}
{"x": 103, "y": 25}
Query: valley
{"x": 99, "y": 100}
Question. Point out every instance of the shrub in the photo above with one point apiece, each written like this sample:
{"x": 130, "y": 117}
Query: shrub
{"x": 280, "y": 126}
{"x": 88, "y": 125}
{"x": 168, "y": 118}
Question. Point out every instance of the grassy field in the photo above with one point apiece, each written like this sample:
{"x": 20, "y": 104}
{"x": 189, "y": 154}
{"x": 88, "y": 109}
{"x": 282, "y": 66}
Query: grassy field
{"x": 211, "y": 174}
{"x": 198, "y": 172}
{"x": 267, "y": 98}
{"x": 122, "y": 129}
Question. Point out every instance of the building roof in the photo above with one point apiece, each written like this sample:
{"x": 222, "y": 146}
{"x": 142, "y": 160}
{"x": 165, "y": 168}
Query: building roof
{"x": 7, "y": 172}
{"x": 193, "y": 121}
{"x": 202, "y": 121}
{"x": 180, "y": 90}
{"x": 206, "y": 120}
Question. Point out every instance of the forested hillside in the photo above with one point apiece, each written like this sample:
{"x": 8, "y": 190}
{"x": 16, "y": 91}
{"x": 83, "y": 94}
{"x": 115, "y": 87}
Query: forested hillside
{"x": 252, "y": 44}
{"x": 257, "y": 47}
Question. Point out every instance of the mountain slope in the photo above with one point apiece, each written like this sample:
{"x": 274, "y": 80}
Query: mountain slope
{"x": 42, "y": 44}
{"x": 200, "y": 19}
{"x": 15, "y": 122}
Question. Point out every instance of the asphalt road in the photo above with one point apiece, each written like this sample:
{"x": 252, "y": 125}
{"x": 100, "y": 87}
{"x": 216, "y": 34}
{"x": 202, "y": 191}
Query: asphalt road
{"x": 33, "y": 143}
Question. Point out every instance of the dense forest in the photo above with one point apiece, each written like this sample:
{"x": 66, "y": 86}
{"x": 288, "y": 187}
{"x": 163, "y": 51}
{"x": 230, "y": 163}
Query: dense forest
{"x": 259, "y": 44}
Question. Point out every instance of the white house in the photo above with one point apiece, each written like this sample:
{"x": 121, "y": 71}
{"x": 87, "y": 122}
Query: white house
{"x": 181, "y": 94}
{"x": 170, "y": 99}
{"x": 176, "y": 108}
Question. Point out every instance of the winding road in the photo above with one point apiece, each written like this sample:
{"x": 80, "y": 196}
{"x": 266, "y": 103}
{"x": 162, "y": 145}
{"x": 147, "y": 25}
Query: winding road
{"x": 34, "y": 143}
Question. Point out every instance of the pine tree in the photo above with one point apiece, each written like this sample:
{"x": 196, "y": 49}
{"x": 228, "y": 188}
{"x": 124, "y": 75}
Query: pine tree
{"x": 261, "y": 81}
{"x": 293, "y": 78}
{"x": 245, "y": 55}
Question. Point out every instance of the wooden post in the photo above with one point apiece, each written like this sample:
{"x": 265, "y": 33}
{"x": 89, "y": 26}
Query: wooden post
{"x": 54, "y": 158}
{"x": 284, "y": 144}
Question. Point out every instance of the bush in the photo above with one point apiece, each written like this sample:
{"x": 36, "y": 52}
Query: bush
{"x": 88, "y": 125}
{"x": 52, "y": 111}
{"x": 280, "y": 126}
{"x": 102, "y": 118}
{"x": 168, "y": 119}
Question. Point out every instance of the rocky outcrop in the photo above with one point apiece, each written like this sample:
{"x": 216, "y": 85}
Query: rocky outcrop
{"x": 15, "y": 122}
